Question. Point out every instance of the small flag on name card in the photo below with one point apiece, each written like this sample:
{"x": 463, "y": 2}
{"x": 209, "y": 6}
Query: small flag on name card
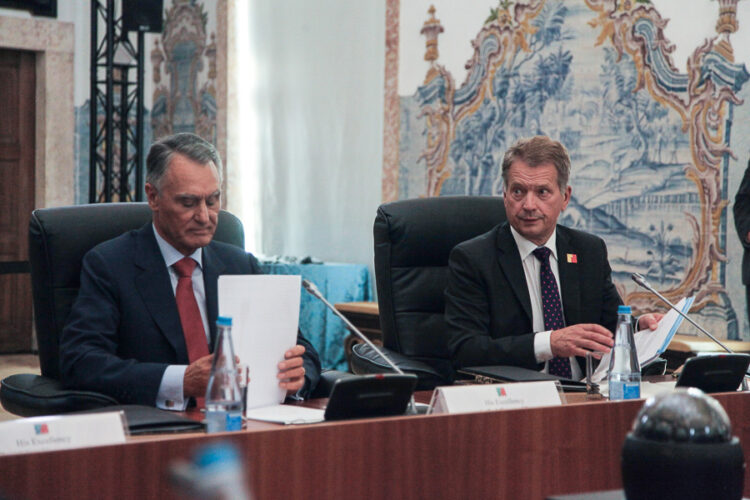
{"x": 572, "y": 258}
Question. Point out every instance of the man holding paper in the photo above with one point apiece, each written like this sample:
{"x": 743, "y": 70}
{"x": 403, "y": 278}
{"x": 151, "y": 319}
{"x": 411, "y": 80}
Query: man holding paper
{"x": 142, "y": 324}
{"x": 529, "y": 292}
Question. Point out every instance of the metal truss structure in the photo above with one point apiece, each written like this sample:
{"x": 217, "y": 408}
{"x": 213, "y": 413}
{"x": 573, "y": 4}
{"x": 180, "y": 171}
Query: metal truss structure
{"x": 116, "y": 149}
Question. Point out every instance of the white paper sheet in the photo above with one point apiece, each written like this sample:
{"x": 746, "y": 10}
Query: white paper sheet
{"x": 287, "y": 414}
{"x": 265, "y": 316}
{"x": 650, "y": 344}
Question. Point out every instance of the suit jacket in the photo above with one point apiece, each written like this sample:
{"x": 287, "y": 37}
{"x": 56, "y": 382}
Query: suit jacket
{"x": 487, "y": 304}
{"x": 742, "y": 221}
{"x": 124, "y": 328}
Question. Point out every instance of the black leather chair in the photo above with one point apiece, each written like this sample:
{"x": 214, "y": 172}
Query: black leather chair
{"x": 413, "y": 239}
{"x": 58, "y": 240}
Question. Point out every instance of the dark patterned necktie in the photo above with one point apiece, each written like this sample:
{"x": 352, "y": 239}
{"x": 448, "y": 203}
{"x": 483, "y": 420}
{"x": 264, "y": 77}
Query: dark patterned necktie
{"x": 552, "y": 309}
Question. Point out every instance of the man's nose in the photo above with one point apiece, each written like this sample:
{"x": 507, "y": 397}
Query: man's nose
{"x": 201, "y": 212}
{"x": 529, "y": 201}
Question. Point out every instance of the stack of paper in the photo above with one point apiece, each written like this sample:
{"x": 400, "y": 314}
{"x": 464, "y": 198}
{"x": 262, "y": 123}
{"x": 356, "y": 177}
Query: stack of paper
{"x": 286, "y": 414}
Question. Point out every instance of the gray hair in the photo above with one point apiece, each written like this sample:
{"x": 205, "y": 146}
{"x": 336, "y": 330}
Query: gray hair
{"x": 538, "y": 150}
{"x": 189, "y": 145}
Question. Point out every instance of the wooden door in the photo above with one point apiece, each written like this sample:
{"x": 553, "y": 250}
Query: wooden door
{"x": 17, "y": 125}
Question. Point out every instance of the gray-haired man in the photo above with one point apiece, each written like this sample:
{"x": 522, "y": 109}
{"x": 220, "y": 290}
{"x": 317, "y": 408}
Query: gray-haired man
{"x": 141, "y": 327}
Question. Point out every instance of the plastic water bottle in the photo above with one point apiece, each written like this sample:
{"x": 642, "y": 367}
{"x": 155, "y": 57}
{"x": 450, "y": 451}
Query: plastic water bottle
{"x": 223, "y": 395}
{"x": 215, "y": 472}
{"x": 624, "y": 370}
{"x": 220, "y": 473}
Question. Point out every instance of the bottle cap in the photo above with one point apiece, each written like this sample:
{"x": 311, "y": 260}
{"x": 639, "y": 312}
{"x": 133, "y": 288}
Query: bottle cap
{"x": 224, "y": 321}
{"x": 216, "y": 454}
{"x": 624, "y": 310}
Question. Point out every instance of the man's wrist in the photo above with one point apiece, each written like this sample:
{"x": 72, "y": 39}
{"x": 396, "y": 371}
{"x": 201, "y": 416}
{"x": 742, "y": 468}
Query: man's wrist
{"x": 543, "y": 346}
{"x": 171, "y": 395}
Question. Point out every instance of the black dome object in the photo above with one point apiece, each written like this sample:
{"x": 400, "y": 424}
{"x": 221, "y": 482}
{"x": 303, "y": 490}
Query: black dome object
{"x": 681, "y": 446}
{"x": 683, "y": 416}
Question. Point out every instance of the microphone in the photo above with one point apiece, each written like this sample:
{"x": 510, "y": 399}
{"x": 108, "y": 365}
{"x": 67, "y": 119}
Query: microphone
{"x": 641, "y": 281}
{"x": 310, "y": 288}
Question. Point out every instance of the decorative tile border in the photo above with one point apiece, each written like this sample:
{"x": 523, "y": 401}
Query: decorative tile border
{"x": 392, "y": 109}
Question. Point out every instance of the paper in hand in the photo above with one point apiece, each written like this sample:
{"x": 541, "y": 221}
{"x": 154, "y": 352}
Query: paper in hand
{"x": 650, "y": 344}
{"x": 265, "y": 317}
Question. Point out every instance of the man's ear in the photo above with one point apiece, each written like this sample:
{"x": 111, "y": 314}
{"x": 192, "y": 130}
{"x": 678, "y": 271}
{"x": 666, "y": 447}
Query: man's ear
{"x": 152, "y": 196}
{"x": 566, "y": 196}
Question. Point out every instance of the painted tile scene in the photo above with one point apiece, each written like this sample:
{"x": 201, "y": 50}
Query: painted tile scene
{"x": 657, "y": 152}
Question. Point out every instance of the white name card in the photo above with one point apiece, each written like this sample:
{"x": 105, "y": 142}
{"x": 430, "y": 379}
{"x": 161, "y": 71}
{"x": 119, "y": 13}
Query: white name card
{"x": 61, "y": 432}
{"x": 491, "y": 397}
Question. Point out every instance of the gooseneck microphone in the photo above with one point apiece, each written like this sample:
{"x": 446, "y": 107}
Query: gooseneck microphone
{"x": 313, "y": 290}
{"x": 641, "y": 281}
{"x": 310, "y": 287}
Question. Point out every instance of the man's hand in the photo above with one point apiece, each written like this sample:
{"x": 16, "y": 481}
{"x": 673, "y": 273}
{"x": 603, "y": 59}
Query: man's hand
{"x": 291, "y": 372}
{"x": 195, "y": 381}
{"x": 196, "y": 376}
{"x": 577, "y": 340}
{"x": 650, "y": 321}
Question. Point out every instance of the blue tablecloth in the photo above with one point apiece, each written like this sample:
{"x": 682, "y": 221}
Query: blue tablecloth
{"x": 337, "y": 283}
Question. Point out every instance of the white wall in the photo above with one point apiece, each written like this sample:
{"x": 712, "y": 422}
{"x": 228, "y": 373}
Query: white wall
{"x": 315, "y": 88}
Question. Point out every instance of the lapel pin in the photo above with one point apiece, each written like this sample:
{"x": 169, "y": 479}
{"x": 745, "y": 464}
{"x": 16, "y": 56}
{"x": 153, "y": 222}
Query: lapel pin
{"x": 572, "y": 258}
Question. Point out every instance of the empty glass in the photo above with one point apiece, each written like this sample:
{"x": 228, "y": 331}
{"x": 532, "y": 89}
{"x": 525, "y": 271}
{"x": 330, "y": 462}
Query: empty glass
{"x": 243, "y": 378}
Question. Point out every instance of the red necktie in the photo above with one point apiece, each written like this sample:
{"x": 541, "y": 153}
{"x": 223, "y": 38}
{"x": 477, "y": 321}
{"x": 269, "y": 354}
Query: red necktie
{"x": 190, "y": 315}
{"x": 552, "y": 309}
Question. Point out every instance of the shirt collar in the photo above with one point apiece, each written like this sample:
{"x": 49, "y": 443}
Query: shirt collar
{"x": 171, "y": 254}
{"x": 525, "y": 247}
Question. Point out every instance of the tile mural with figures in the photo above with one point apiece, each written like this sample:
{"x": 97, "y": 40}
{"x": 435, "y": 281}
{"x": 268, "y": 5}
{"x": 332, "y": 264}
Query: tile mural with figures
{"x": 652, "y": 148}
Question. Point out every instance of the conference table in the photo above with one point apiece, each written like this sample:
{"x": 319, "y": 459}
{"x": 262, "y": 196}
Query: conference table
{"x": 514, "y": 454}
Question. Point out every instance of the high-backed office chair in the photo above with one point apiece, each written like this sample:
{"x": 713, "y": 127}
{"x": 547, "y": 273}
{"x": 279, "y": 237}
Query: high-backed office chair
{"x": 413, "y": 239}
{"x": 58, "y": 240}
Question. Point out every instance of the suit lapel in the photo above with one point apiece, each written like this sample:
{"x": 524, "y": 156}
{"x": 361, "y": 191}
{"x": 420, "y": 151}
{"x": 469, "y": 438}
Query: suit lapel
{"x": 154, "y": 286}
{"x": 569, "y": 277}
{"x": 212, "y": 269}
{"x": 510, "y": 262}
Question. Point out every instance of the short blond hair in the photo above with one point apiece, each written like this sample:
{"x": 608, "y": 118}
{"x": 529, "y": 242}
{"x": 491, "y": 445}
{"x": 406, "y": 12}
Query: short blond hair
{"x": 538, "y": 150}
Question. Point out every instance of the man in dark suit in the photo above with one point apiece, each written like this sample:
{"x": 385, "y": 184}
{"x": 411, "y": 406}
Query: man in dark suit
{"x": 144, "y": 320}
{"x": 742, "y": 224}
{"x": 530, "y": 293}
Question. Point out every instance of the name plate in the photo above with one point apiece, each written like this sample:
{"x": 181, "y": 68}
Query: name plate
{"x": 61, "y": 432}
{"x": 491, "y": 397}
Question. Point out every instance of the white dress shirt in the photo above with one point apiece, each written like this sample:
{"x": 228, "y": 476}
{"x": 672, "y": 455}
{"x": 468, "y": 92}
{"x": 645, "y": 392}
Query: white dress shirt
{"x": 531, "y": 266}
{"x": 171, "y": 393}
